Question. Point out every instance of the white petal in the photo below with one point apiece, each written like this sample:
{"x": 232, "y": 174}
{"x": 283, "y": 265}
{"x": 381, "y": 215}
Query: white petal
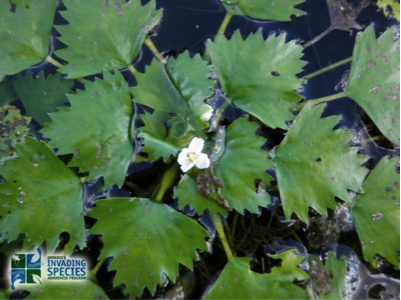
{"x": 183, "y": 157}
{"x": 196, "y": 145}
{"x": 207, "y": 115}
{"x": 187, "y": 166}
{"x": 203, "y": 161}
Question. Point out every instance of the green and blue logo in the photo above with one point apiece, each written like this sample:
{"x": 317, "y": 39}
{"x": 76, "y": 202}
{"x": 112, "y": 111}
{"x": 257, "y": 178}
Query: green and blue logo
{"x": 26, "y": 268}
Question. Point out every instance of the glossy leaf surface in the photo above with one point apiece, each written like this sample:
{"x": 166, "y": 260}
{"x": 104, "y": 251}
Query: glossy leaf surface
{"x": 48, "y": 193}
{"x": 113, "y": 35}
{"x": 377, "y": 213}
{"x": 96, "y": 129}
{"x": 314, "y": 164}
{"x": 25, "y": 27}
{"x": 237, "y": 281}
{"x": 153, "y": 239}
{"x": 374, "y": 80}
{"x": 258, "y": 75}
{"x": 264, "y": 9}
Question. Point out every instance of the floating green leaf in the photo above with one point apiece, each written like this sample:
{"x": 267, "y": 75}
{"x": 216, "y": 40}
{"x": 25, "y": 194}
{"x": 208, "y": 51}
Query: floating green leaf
{"x": 328, "y": 281}
{"x": 7, "y": 91}
{"x": 25, "y": 27}
{"x": 237, "y": 281}
{"x": 314, "y": 164}
{"x": 264, "y": 9}
{"x": 112, "y": 37}
{"x": 395, "y": 7}
{"x": 374, "y": 80}
{"x": 187, "y": 192}
{"x": 96, "y": 129}
{"x": 177, "y": 93}
{"x": 243, "y": 169}
{"x": 42, "y": 94}
{"x": 259, "y": 76}
{"x": 152, "y": 239}
{"x": 48, "y": 193}
{"x": 377, "y": 213}
{"x": 12, "y": 127}
{"x": 61, "y": 290}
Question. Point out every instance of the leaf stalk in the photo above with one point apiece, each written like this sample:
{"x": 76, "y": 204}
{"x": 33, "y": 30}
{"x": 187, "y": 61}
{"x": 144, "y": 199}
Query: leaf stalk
{"x": 167, "y": 182}
{"x": 328, "y": 68}
{"x": 321, "y": 100}
{"x": 220, "y": 230}
{"x": 223, "y": 25}
{"x": 53, "y": 62}
{"x": 148, "y": 42}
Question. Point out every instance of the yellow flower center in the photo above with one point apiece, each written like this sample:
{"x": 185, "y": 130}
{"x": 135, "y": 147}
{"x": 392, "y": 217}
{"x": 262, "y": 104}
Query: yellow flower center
{"x": 192, "y": 156}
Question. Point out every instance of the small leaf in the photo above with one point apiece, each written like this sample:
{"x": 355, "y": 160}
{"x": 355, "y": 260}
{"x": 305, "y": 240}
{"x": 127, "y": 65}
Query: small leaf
{"x": 36, "y": 279}
{"x": 264, "y": 9}
{"x": 237, "y": 281}
{"x": 48, "y": 193}
{"x": 3, "y": 294}
{"x": 113, "y": 35}
{"x": 314, "y": 164}
{"x": 25, "y": 27}
{"x": 187, "y": 192}
{"x": 328, "y": 281}
{"x": 258, "y": 76}
{"x": 42, "y": 95}
{"x": 7, "y": 91}
{"x": 96, "y": 129}
{"x": 395, "y": 7}
{"x": 177, "y": 93}
{"x": 243, "y": 166}
{"x": 12, "y": 128}
{"x": 52, "y": 289}
{"x": 377, "y": 213}
{"x": 374, "y": 80}
{"x": 153, "y": 239}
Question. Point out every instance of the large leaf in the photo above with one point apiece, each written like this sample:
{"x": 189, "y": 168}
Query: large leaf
{"x": 61, "y": 290}
{"x": 377, "y": 213}
{"x": 328, "y": 281}
{"x": 374, "y": 80}
{"x": 96, "y": 129}
{"x": 152, "y": 239}
{"x": 237, "y": 281}
{"x": 243, "y": 167}
{"x": 177, "y": 93}
{"x": 12, "y": 127}
{"x": 42, "y": 94}
{"x": 259, "y": 76}
{"x": 103, "y": 34}
{"x": 25, "y": 27}
{"x": 47, "y": 193}
{"x": 264, "y": 9}
{"x": 314, "y": 164}
{"x": 395, "y": 7}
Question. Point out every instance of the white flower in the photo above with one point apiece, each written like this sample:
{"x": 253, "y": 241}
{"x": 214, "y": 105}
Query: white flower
{"x": 193, "y": 156}
{"x": 207, "y": 115}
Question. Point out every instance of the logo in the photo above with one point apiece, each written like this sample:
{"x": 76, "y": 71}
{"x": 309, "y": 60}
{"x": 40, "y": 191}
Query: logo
{"x": 26, "y": 268}
{"x": 33, "y": 268}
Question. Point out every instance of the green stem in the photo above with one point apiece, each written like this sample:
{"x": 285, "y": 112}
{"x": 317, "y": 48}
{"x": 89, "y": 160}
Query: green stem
{"x": 318, "y": 37}
{"x": 148, "y": 42}
{"x": 167, "y": 182}
{"x": 220, "y": 230}
{"x": 53, "y": 62}
{"x": 223, "y": 25}
{"x": 92, "y": 273}
{"x": 321, "y": 100}
{"x": 132, "y": 69}
{"x": 328, "y": 68}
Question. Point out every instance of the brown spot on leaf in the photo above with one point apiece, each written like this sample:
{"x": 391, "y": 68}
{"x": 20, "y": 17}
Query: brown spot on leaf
{"x": 76, "y": 153}
{"x": 377, "y": 216}
{"x": 99, "y": 151}
{"x": 119, "y": 11}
